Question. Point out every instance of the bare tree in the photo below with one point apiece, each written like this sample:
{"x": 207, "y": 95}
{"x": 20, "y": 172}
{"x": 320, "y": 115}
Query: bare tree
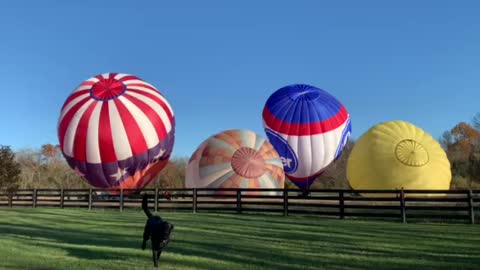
{"x": 29, "y": 161}
{"x": 47, "y": 168}
{"x": 172, "y": 176}
{"x": 335, "y": 175}
{"x": 476, "y": 121}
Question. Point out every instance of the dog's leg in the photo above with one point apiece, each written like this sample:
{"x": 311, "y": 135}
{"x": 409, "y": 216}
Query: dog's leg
{"x": 155, "y": 263}
{"x": 158, "y": 254}
{"x": 146, "y": 235}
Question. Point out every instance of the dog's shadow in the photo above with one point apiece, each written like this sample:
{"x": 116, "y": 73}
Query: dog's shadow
{"x": 86, "y": 253}
{"x": 79, "y": 244}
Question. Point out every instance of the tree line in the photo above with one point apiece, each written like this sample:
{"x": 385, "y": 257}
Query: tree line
{"x": 47, "y": 168}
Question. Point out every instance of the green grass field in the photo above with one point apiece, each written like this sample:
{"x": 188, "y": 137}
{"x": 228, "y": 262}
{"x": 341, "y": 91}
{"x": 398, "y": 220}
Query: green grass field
{"x": 108, "y": 239}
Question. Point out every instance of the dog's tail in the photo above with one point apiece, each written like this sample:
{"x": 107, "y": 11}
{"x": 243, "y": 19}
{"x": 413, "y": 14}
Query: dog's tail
{"x": 145, "y": 206}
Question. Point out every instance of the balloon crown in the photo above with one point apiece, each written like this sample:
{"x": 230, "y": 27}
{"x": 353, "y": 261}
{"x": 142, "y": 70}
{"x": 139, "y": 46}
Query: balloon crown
{"x": 411, "y": 153}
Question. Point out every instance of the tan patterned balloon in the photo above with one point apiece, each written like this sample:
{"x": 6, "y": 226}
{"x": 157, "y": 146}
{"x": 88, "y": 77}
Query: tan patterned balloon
{"x": 235, "y": 159}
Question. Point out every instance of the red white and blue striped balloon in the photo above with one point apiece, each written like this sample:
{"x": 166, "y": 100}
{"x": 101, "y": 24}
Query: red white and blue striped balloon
{"x": 308, "y": 127}
{"x": 117, "y": 131}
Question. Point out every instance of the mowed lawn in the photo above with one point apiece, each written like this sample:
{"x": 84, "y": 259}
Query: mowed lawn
{"x": 70, "y": 239}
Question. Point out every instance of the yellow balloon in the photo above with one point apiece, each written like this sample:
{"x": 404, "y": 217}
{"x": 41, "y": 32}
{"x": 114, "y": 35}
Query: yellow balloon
{"x": 395, "y": 155}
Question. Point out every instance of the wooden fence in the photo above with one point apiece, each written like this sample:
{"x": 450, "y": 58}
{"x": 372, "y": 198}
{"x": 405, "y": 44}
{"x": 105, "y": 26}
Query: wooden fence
{"x": 461, "y": 205}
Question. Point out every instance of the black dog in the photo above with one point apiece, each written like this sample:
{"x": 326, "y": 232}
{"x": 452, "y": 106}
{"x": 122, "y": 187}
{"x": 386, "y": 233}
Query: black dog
{"x": 157, "y": 230}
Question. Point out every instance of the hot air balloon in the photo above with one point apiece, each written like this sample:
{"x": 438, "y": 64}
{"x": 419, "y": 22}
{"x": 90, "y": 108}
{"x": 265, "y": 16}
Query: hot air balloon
{"x": 397, "y": 154}
{"x": 308, "y": 127}
{"x": 235, "y": 159}
{"x": 117, "y": 131}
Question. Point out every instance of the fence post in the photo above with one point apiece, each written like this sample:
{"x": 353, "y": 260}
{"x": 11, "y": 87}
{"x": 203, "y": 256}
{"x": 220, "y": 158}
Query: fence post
{"x": 285, "y": 202}
{"x": 402, "y": 206}
{"x": 61, "y": 197}
{"x": 121, "y": 199}
{"x": 34, "y": 197}
{"x": 90, "y": 199}
{"x": 471, "y": 208}
{"x": 10, "y": 199}
{"x": 341, "y": 204}
{"x": 239, "y": 201}
{"x": 194, "y": 208}
{"x": 156, "y": 200}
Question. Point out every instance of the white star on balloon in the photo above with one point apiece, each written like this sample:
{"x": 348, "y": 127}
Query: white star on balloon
{"x": 120, "y": 172}
{"x": 160, "y": 154}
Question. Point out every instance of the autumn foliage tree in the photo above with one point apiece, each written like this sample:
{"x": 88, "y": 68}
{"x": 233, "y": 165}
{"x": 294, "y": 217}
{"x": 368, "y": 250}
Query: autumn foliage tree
{"x": 462, "y": 145}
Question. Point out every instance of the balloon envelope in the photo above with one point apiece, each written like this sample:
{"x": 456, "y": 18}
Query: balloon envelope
{"x": 308, "y": 127}
{"x": 117, "y": 131}
{"x": 235, "y": 159}
{"x": 395, "y": 155}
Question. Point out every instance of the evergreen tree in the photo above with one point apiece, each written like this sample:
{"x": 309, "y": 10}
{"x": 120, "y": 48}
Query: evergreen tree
{"x": 9, "y": 170}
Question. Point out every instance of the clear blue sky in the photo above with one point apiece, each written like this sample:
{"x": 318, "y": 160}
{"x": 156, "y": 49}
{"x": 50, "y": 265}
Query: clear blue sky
{"x": 217, "y": 62}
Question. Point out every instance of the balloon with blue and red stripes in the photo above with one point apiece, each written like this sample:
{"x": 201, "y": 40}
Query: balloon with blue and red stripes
{"x": 116, "y": 131}
{"x": 308, "y": 127}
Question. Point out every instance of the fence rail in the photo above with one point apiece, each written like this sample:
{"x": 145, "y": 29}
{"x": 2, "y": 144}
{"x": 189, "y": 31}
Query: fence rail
{"x": 390, "y": 204}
